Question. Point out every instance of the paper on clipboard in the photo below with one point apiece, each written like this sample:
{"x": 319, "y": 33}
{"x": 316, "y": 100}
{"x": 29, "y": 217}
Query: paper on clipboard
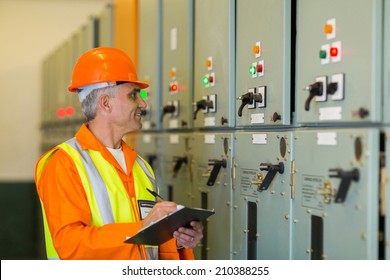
{"x": 162, "y": 230}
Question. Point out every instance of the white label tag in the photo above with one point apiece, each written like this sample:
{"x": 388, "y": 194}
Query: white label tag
{"x": 259, "y": 139}
{"x": 257, "y": 118}
{"x": 327, "y": 138}
{"x": 330, "y": 113}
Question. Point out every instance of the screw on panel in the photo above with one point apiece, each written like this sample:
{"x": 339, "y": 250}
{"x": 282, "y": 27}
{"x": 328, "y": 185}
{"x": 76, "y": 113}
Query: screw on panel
{"x": 324, "y": 214}
{"x": 308, "y": 211}
{"x": 282, "y": 193}
{"x": 287, "y": 216}
{"x": 363, "y": 236}
{"x": 296, "y": 221}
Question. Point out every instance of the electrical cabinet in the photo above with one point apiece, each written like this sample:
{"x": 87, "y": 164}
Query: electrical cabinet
{"x": 262, "y": 201}
{"x": 384, "y": 197}
{"x": 177, "y": 62}
{"x": 386, "y": 65}
{"x": 176, "y": 165}
{"x": 214, "y": 47}
{"x": 336, "y": 194}
{"x": 212, "y": 165}
{"x": 338, "y": 61}
{"x": 263, "y": 63}
{"x": 149, "y": 60}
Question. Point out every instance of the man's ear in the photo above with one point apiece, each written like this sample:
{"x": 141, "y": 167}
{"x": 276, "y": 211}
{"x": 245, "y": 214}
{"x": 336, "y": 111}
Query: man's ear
{"x": 105, "y": 103}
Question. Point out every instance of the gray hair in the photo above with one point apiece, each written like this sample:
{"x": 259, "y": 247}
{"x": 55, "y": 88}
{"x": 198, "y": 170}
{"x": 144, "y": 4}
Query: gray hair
{"x": 89, "y": 104}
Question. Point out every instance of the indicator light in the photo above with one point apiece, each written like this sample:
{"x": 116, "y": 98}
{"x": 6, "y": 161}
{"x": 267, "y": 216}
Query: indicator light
{"x": 143, "y": 93}
{"x": 172, "y": 73}
{"x": 211, "y": 79}
{"x": 256, "y": 49}
{"x": 259, "y": 68}
{"x": 174, "y": 87}
{"x": 334, "y": 52}
{"x": 209, "y": 63}
{"x": 205, "y": 80}
{"x": 69, "y": 111}
{"x": 252, "y": 70}
{"x": 61, "y": 113}
{"x": 328, "y": 28}
{"x": 322, "y": 54}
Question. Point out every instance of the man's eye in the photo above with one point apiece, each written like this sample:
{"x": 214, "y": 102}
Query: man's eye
{"x": 133, "y": 95}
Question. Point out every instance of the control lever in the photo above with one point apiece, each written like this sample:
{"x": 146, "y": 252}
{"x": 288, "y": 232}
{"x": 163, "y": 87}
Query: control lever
{"x": 332, "y": 88}
{"x": 314, "y": 90}
{"x": 248, "y": 98}
{"x": 272, "y": 170}
{"x": 217, "y": 164}
{"x": 202, "y": 105}
{"x": 179, "y": 162}
{"x": 167, "y": 109}
{"x": 346, "y": 178}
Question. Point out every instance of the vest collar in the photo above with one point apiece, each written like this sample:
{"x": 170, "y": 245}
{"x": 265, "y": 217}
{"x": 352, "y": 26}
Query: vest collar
{"x": 88, "y": 141}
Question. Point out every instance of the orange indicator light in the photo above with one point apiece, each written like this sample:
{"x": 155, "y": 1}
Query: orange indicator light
{"x": 256, "y": 49}
{"x": 328, "y": 29}
{"x": 208, "y": 63}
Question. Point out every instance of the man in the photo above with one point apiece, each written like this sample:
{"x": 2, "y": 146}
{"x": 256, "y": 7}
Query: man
{"x": 94, "y": 188}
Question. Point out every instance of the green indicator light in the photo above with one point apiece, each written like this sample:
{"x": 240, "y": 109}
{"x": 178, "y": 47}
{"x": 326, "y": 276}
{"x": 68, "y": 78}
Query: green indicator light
{"x": 322, "y": 54}
{"x": 205, "y": 80}
{"x": 143, "y": 93}
{"x": 252, "y": 70}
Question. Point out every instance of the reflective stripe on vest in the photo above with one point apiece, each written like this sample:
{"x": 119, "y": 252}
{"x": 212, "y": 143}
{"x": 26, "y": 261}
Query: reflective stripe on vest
{"x": 98, "y": 191}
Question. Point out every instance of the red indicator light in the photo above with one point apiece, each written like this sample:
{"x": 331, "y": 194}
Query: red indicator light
{"x": 259, "y": 68}
{"x": 174, "y": 87}
{"x": 334, "y": 52}
{"x": 61, "y": 113}
{"x": 211, "y": 79}
{"x": 69, "y": 111}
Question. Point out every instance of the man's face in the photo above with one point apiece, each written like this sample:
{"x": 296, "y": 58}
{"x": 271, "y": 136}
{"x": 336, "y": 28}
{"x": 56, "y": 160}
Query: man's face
{"x": 127, "y": 106}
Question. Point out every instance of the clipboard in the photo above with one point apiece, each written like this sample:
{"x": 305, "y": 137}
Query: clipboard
{"x": 162, "y": 230}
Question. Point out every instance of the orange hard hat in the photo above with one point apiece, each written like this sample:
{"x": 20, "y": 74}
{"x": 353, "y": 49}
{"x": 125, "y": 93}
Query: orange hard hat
{"x": 104, "y": 65}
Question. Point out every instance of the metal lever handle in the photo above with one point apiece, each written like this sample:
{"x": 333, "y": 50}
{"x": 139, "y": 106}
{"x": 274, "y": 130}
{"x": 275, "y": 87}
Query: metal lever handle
{"x": 203, "y": 104}
{"x": 272, "y": 170}
{"x": 217, "y": 164}
{"x": 346, "y": 178}
{"x": 178, "y": 164}
{"x": 167, "y": 109}
{"x": 247, "y": 98}
{"x": 314, "y": 90}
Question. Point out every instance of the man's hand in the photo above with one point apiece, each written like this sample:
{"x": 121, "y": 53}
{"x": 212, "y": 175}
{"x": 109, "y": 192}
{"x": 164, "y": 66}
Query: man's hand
{"x": 159, "y": 210}
{"x": 189, "y": 237}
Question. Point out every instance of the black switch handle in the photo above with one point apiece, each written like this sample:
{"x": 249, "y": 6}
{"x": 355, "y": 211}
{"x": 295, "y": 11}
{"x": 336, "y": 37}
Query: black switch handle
{"x": 179, "y": 162}
{"x": 346, "y": 179}
{"x": 217, "y": 164}
{"x": 272, "y": 170}
{"x": 203, "y": 104}
{"x": 167, "y": 109}
{"x": 246, "y": 99}
{"x": 314, "y": 90}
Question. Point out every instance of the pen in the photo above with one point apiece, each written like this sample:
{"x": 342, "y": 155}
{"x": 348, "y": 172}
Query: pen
{"x": 155, "y": 194}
